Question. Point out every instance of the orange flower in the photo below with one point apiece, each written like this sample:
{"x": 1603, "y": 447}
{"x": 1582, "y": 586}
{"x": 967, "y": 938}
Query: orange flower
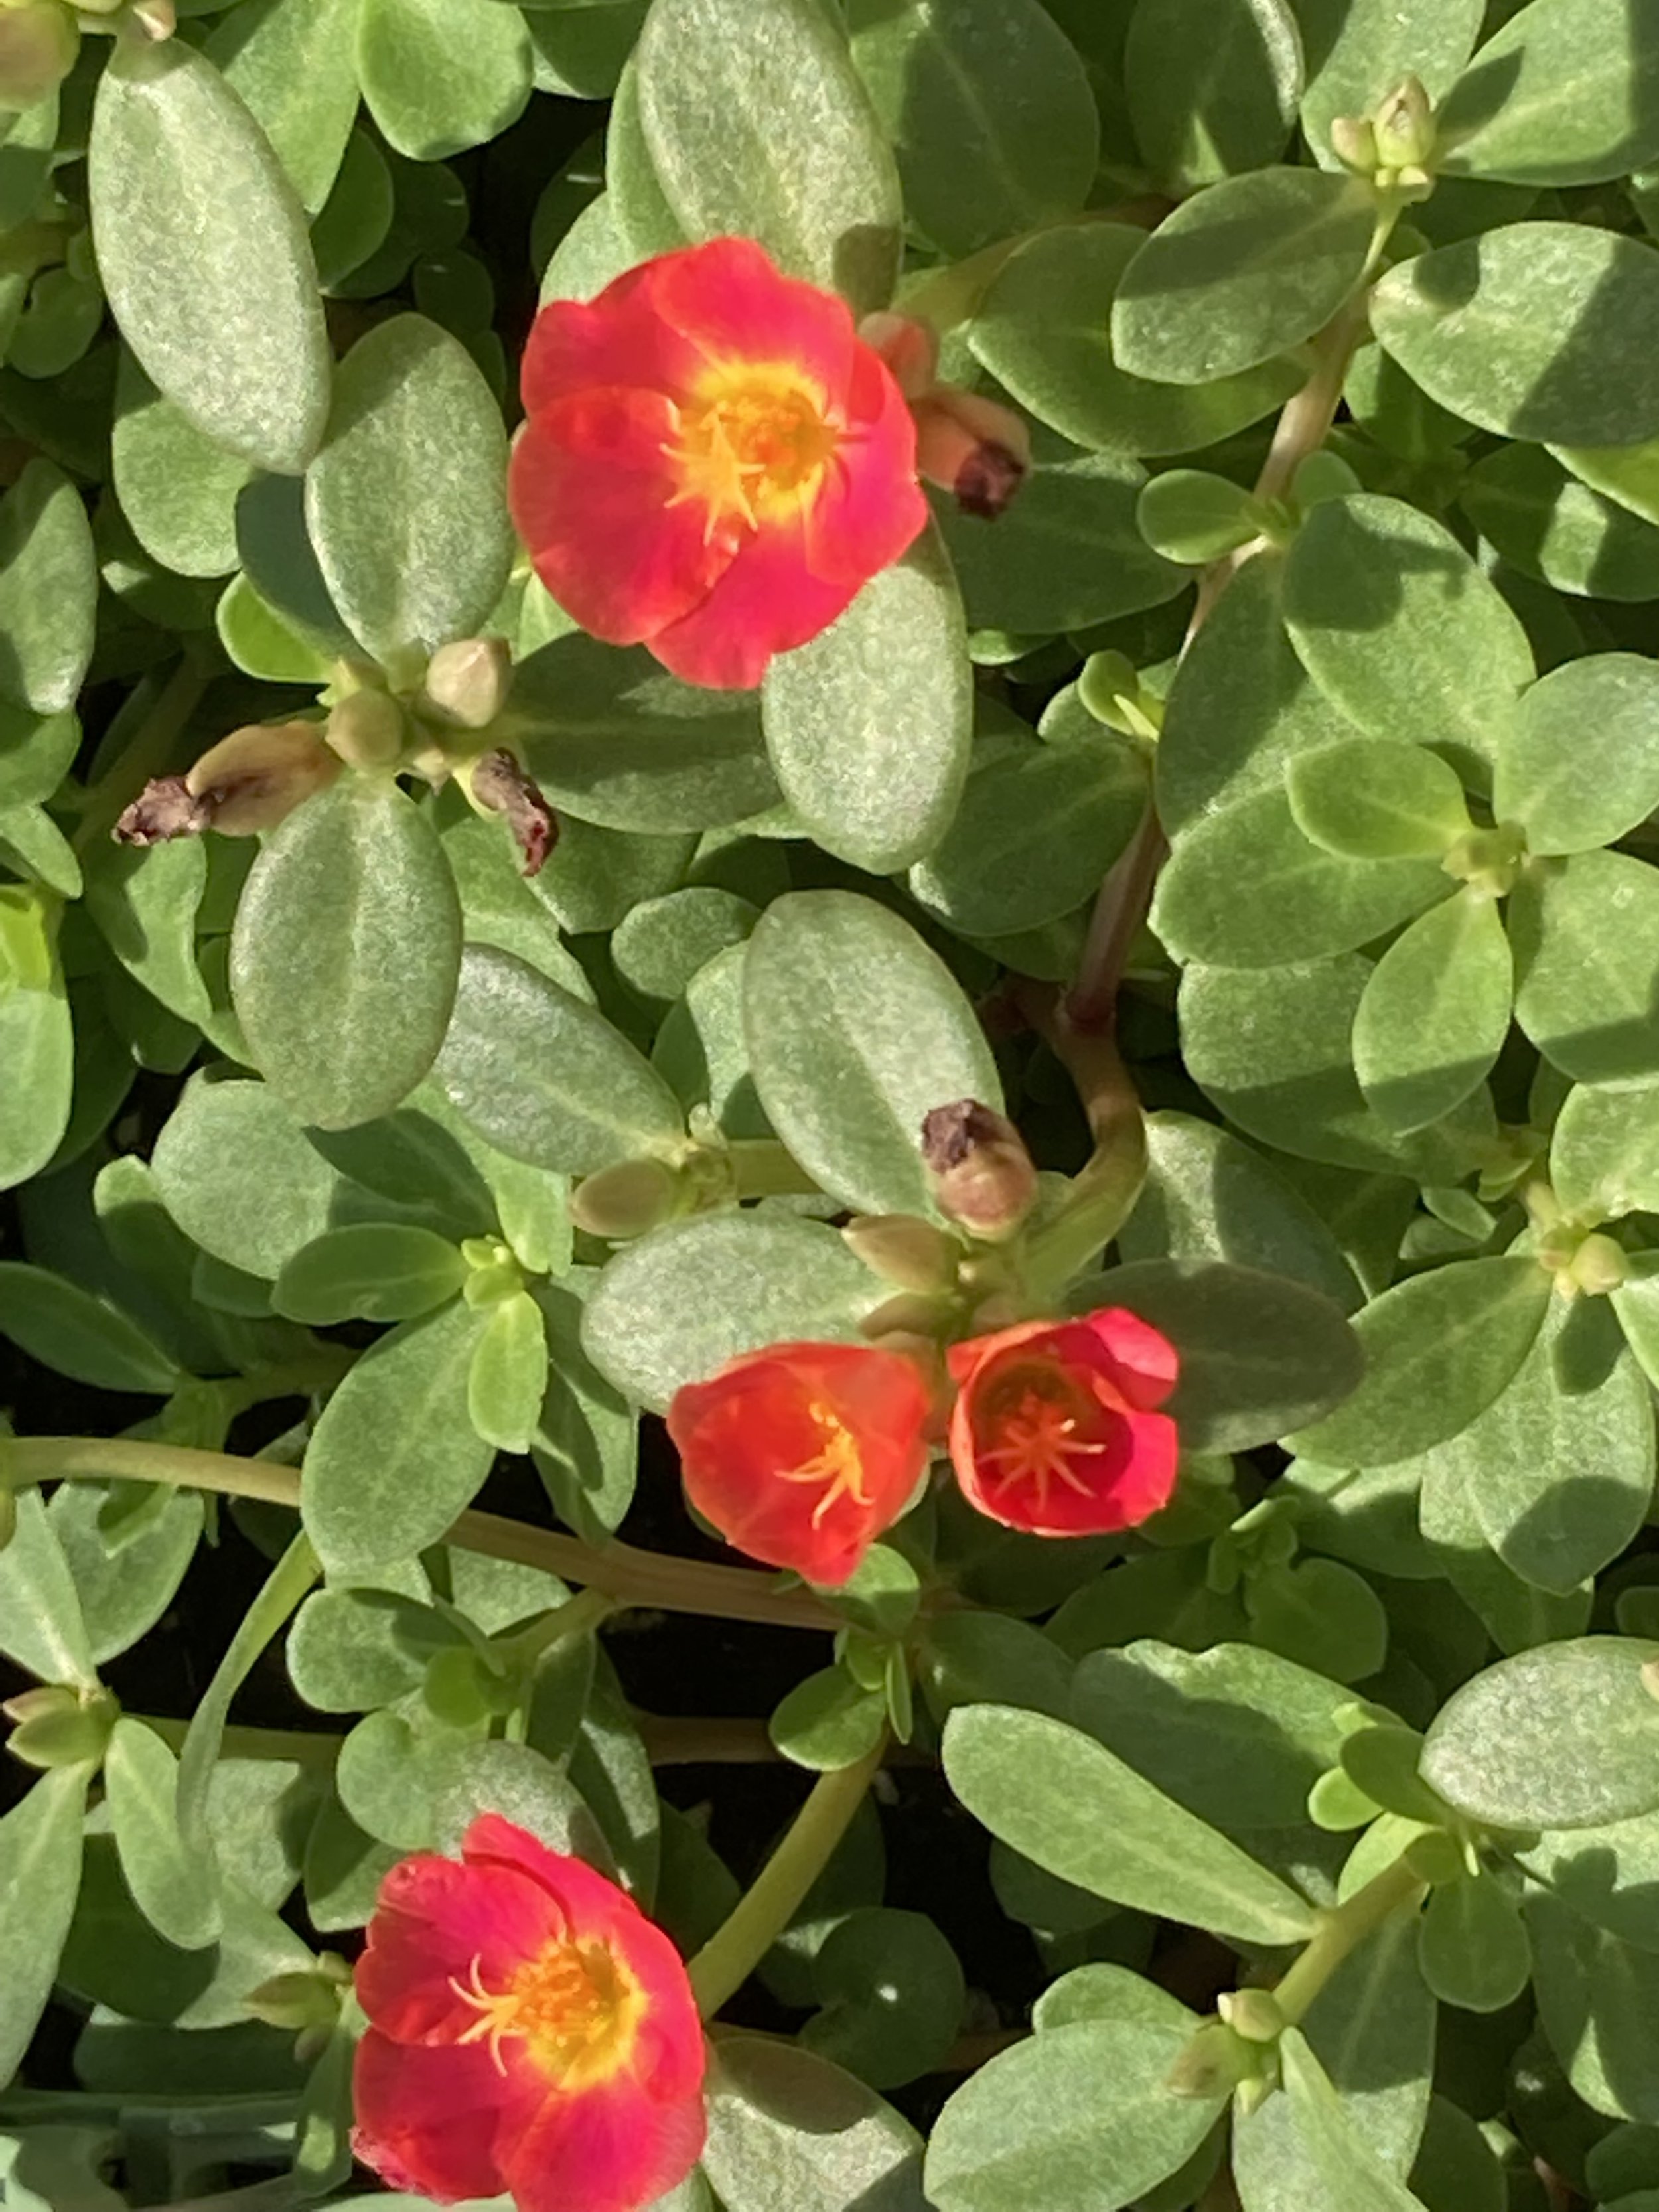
{"x": 530, "y": 2032}
{"x": 714, "y": 461}
{"x": 803, "y": 1454}
{"x": 1053, "y": 1430}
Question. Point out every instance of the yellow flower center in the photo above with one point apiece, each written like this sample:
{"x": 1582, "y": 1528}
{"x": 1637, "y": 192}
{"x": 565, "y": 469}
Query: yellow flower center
{"x": 575, "y": 2004}
{"x": 839, "y": 1465}
{"x": 752, "y": 445}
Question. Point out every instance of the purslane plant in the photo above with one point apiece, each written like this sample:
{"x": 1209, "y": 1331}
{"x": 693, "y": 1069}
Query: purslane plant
{"x": 925, "y": 733}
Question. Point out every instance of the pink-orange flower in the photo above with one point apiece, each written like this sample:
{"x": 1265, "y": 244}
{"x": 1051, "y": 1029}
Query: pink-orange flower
{"x": 803, "y": 1454}
{"x": 1054, "y": 1430}
{"x": 530, "y": 2032}
{"x": 714, "y": 461}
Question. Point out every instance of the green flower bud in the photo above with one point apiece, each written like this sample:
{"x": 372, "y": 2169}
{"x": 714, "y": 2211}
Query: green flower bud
{"x": 625, "y": 1200}
{"x": 1253, "y": 2013}
{"x": 905, "y": 1250}
{"x": 466, "y": 683}
{"x": 39, "y": 42}
{"x": 1353, "y": 141}
{"x": 302, "y": 2003}
{"x": 1403, "y": 125}
{"x": 368, "y": 728}
{"x": 60, "y": 1727}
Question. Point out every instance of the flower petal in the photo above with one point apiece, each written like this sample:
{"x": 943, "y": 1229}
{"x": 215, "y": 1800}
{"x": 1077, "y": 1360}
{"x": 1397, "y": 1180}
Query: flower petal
{"x": 618, "y": 338}
{"x": 871, "y": 509}
{"x": 427, "y": 2119}
{"x": 434, "y": 1920}
{"x": 1145, "y": 1364}
{"x": 766, "y": 601}
{"x": 729, "y": 300}
{"x": 591, "y": 491}
{"x": 609, "y": 2147}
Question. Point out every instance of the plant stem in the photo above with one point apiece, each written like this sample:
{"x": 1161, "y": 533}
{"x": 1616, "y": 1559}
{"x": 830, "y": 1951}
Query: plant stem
{"x": 147, "y": 754}
{"x": 1304, "y": 425}
{"x": 574, "y": 1618}
{"x": 1341, "y": 1931}
{"x": 621, "y": 1572}
{"x": 766, "y": 1908}
{"x": 305, "y": 1746}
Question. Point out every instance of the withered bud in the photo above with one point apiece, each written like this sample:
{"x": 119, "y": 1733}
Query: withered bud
{"x": 973, "y": 446}
{"x": 499, "y": 786}
{"x": 625, "y": 1200}
{"x": 466, "y": 683}
{"x": 255, "y": 778}
{"x": 39, "y": 42}
{"x": 905, "y": 1250}
{"x": 368, "y": 728}
{"x": 907, "y": 345}
{"x": 164, "y": 809}
{"x": 981, "y": 1171}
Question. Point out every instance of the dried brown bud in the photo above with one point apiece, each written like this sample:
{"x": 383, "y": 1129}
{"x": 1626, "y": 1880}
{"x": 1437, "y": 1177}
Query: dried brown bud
{"x": 973, "y": 446}
{"x": 981, "y": 1173}
{"x": 499, "y": 786}
{"x": 163, "y": 808}
{"x": 255, "y": 778}
{"x": 466, "y": 683}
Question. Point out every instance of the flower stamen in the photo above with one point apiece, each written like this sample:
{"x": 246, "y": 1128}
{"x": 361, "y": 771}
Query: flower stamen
{"x": 839, "y": 1465}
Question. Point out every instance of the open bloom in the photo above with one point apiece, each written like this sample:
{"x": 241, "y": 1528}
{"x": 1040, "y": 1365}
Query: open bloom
{"x": 803, "y": 1454}
{"x": 1054, "y": 1430}
{"x": 714, "y": 461}
{"x": 530, "y": 2032}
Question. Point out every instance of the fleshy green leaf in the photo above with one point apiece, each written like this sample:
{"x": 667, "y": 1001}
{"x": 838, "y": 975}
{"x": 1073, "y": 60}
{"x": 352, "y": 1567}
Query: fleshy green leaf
{"x": 1439, "y": 1347}
{"x": 41, "y": 1863}
{"x": 174, "y": 1886}
{"x": 1492, "y": 1750}
{"x": 375, "y": 1271}
{"x": 292, "y": 62}
{"x": 176, "y": 488}
{"x": 786, "y": 2127}
{"x": 48, "y": 590}
{"x": 202, "y": 248}
{"x": 1604, "y": 1154}
{"x": 1562, "y": 94}
{"x": 1212, "y": 88}
{"x": 42, "y": 1625}
{"x": 345, "y": 950}
{"x": 1579, "y": 764}
{"x": 1586, "y": 936}
{"x": 405, "y": 502}
{"x": 508, "y": 1377}
{"x": 1044, "y": 329}
{"x": 66, "y": 1327}
{"x": 1371, "y": 799}
{"x": 1548, "y": 525}
{"x": 681, "y": 1302}
{"x": 439, "y": 76}
{"x": 544, "y": 1077}
{"x": 1241, "y": 271}
{"x": 1078, "y": 1810}
{"x": 1435, "y": 1012}
{"x": 1473, "y": 1944}
{"x": 856, "y": 1031}
{"x": 737, "y": 112}
{"x": 1548, "y": 331}
{"x": 394, "y": 1456}
{"x": 868, "y": 726}
{"x": 988, "y": 110}
{"x": 1400, "y": 629}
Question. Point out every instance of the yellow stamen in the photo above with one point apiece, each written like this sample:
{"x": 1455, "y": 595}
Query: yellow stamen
{"x": 576, "y": 2006}
{"x": 1038, "y": 1445}
{"x": 839, "y": 1465}
{"x": 752, "y": 445}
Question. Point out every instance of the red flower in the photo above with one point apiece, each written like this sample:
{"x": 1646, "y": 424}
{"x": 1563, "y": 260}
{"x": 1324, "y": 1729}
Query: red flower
{"x": 1053, "y": 1431}
{"x": 803, "y": 1454}
{"x": 714, "y": 462}
{"x": 530, "y": 2031}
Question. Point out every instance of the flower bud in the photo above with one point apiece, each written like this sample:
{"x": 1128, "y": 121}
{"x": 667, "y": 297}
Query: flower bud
{"x": 981, "y": 1171}
{"x": 60, "y": 1727}
{"x": 1353, "y": 141}
{"x": 301, "y": 2002}
{"x": 904, "y": 1249}
{"x": 625, "y": 1200}
{"x": 39, "y": 42}
{"x": 1403, "y": 125}
{"x": 368, "y": 728}
{"x": 497, "y": 784}
{"x": 908, "y": 346}
{"x": 973, "y": 446}
{"x": 255, "y": 778}
{"x": 466, "y": 683}
{"x": 1253, "y": 2013}
{"x": 1597, "y": 1266}
{"x": 1214, "y": 2060}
